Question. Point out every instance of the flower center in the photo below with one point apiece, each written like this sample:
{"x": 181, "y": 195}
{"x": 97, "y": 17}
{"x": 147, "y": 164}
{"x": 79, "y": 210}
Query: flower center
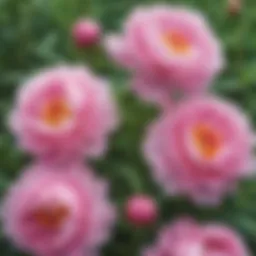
{"x": 177, "y": 42}
{"x": 207, "y": 141}
{"x": 56, "y": 112}
{"x": 50, "y": 217}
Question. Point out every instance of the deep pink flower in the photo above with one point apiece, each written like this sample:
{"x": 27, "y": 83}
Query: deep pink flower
{"x": 62, "y": 112}
{"x": 168, "y": 49}
{"x": 141, "y": 210}
{"x": 86, "y": 32}
{"x": 185, "y": 237}
{"x": 200, "y": 149}
{"x": 51, "y": 212}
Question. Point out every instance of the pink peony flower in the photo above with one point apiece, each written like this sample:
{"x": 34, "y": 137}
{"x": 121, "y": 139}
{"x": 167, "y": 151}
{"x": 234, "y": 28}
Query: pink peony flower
{"x": 141, "y": 210}
{"x": 49, "y": 212}
{"x": 86, "y": 32}
{"x": 200, "y": 149}
{"x": 185, "y": 237}
{"x": 168, "y": 49}
{"x": 63, "y": 112}
{"x": 219, "y": 240}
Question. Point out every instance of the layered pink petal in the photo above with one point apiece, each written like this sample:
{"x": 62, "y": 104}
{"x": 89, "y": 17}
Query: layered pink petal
{"x": 83, "y": 116}
{"x": 185, "y": 237}
{"x": 89, "y": 215}
{"x": 183, "y": 167}
{"x": 188, "y": 63}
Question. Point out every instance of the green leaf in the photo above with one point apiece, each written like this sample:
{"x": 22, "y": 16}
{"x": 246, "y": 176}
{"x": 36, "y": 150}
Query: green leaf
{"x": 66, "y": 11}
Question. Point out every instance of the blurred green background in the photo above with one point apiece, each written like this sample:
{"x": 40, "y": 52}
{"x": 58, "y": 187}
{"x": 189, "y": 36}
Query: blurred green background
{"x": 36, "y": 34}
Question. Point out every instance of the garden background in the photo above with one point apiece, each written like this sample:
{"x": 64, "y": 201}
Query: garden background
{"x": 36, "y": 34}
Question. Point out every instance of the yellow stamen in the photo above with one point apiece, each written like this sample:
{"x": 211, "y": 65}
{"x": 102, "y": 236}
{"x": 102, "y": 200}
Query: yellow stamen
{"x": 177, "y": 42}
{"x": 50, "y": 217}
{"x": 56, "y": 112}
{"x": 207, "y": 141}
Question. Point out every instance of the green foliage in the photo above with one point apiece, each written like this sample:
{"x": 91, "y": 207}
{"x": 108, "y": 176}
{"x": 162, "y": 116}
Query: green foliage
{"x": 36, "y": 33}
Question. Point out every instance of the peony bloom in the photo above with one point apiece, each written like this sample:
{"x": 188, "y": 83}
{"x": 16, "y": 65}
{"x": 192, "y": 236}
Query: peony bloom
{"x": 141, "y": 210}
{"x": 167, "y": 49}
{"x": 185, "y": 237}
{"x": 86, "y": 32}
{"x": 220, "y": 240}
{"x": 63, "y": 112}
{"x": 50, "y": 213}
{"x": 200, "y": 149}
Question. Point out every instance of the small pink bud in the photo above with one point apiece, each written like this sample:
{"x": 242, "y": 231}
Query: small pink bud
{"x": 86, "y": 32}
{"x": 141, "y": 210}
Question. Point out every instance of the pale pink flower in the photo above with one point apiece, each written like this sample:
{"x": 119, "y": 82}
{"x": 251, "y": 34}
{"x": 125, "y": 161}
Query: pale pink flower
{"x": 53, "y": 212}
{"x": 201, "y": 149}
{"x": 86, "y": 32}
{"x": 62, "y": 112}
{"x": 168, "y": 49}
{"x": 221, "y": 240}
{"x": 185, "y": 237}
{"x": 141, "y": 210}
